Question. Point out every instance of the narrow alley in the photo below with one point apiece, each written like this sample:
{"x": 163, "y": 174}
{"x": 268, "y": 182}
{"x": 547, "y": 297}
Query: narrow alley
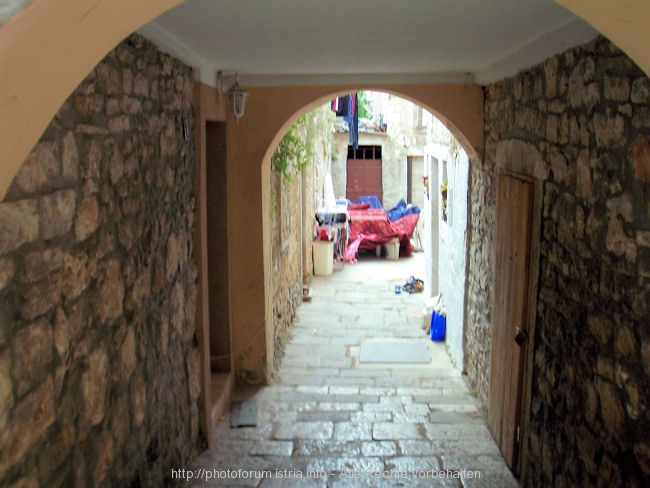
{"x": 329, "y": 420}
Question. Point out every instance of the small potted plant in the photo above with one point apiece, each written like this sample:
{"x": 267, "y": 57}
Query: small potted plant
{"x": 443, "y": 194}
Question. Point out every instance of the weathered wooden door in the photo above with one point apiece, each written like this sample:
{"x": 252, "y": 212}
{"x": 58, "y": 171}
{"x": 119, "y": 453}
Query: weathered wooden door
{"x": 364, "y": 172}
{"x": 510, "y": 326}
{"x": 364, "y": 178}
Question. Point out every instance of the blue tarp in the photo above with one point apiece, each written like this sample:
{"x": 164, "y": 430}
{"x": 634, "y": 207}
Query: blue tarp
{"x": 402, "y": 209}
{"x": 372, "y": 200}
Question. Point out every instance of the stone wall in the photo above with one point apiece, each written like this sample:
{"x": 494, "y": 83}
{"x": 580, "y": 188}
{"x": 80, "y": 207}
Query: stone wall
{"x": 98, "y": 363}
{"x": 287, "y": 261}
{"x": 587, "y": 113}
{"x": 480, "y": 279}
{"x": 294, "y": 205}
{"x": 393, "y": 166}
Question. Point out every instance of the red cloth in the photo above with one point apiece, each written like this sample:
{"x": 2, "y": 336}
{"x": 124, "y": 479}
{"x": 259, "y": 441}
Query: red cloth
{"x": 377, "y": 229}
{"x": 359, "y": 206}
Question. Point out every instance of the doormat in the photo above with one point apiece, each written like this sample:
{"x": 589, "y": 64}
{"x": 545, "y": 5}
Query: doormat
{"x": 243, "y": 414}
{"x": 394, "y": 352}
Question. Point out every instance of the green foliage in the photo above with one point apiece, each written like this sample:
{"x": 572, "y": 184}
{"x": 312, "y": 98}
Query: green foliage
{"x": 443, "y": 193}
{"x": 309, "y": 139}
{"x": 293, "y": 153}
{"x": 364, "y": 106}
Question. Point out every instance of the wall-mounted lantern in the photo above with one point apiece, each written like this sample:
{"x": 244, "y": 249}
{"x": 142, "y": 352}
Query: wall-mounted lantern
{"x": 236, "y": 95}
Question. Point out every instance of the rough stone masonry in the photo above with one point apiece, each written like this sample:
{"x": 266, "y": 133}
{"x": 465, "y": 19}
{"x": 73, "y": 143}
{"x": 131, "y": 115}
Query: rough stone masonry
{"x": 586, "y": 113}
{"x": 98, "y": 364}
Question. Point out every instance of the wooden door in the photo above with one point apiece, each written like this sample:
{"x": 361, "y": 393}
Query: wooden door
{"x": 364, "y": 178}
{"x": 510, "y": 326}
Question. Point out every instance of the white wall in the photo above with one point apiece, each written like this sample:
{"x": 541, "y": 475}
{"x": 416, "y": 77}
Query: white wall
{"x": 451, "y": 240}
{"x": 431, "y": 218}
{"x": 417, "y": 192}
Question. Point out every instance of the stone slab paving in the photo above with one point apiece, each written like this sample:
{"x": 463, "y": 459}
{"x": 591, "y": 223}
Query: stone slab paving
{"x": 329, "y": 421}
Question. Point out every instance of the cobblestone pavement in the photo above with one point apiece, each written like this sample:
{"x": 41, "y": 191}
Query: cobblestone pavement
{"x": 329, "y": 421}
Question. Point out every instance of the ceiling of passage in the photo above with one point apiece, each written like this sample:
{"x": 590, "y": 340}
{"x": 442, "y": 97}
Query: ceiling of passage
{"x": 383, "y": 41}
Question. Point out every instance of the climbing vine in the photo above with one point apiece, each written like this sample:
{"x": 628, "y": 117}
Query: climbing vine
{"x": 309, "y": 138}
{"x": 293, "y": 153}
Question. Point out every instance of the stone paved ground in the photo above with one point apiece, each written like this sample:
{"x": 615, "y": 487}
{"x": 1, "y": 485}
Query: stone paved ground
{"x": 347, "y": 424}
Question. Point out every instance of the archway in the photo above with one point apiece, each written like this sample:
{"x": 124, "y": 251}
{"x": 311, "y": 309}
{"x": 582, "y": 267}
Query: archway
{"x": 459, "y": 107}
{"x": 400, "y": 146}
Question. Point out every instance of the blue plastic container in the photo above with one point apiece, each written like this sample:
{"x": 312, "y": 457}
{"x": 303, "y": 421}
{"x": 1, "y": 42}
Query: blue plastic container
{"x": 438, "y": 327}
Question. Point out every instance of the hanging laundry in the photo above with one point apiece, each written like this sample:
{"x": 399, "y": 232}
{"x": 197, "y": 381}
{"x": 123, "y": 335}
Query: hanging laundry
{"x": 353, "y": 121}
{"x": 343, "y": 106}
{"x": 346, "y": 107}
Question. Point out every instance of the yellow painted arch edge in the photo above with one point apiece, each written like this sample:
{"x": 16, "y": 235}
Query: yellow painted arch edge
{"x": 46, "y": 50}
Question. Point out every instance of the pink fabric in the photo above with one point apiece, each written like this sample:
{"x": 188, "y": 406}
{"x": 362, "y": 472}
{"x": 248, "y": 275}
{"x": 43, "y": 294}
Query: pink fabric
{"x": 351, "y": 251}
